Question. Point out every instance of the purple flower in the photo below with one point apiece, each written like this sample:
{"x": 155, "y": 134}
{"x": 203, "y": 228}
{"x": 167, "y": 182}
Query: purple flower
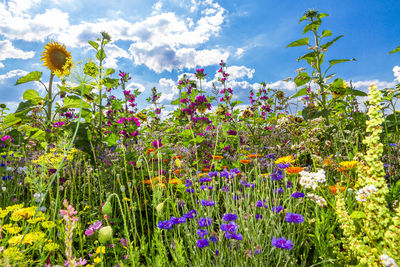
{"x": 258, "y": 216}
{"x": 282, "y": 243}
{"x": 261, "y": 204}
{"x": 202, "y": 233}
{"x": 206, "y": 203}
{"x": 216, "y": 252}
{"x": 289, "y": 184}
{"x": 190, "y": 190}
{"x": 297, "y": 195}
{"x": 294, "y": 218}
{"x": 165, "y": 225}
{"x": 201, "y": 243}
{"x": 204, "y": 222}
{"x": 157, "y": 143}
{"x": 276, "y": 176}
{"x": 279, "y": 190}
{"x": 233, "y": 236}
{"x": 89, "y": 232}
{"x": 230, "y": 227}
{"x": 277, "y": 209}
{"x": 229, "y": 217}
{"x": 257, "y": 250}
{"x": 178, "y": 220}
{"x": 225, "y": 188}
{"x": 123, "y": 242}
{"x": 205, "y": 179}
{"x": 190, "y": 215}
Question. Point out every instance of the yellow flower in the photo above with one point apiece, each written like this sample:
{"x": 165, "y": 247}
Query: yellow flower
{"x": 349, "y": 164}
{"x": 13, "y": 254}
{"x": 24, "y": 213}
{"x": 50, "y": 247}
{"x": 14, "y": 207}
{"x": 284, "y": 160}
{"x": 57, "y": 59}
{"x": 13, "y": 230}
{"x": 102, "y": 249}
{"x": 15, "y": 240}
{"x": 48, "y": 224}
{"x": 97, "y": 260}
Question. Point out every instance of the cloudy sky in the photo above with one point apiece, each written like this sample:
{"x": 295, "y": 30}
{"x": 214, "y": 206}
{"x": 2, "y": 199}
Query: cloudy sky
{"x": 158, "y": 41}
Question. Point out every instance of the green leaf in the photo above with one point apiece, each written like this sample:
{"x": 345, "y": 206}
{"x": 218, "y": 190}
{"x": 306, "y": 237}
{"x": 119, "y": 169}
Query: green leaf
{"x": 75, "y": 102}
{"x": 337, "y": 61}
{"x": 25, "y": 107}
{"x": 309, "y": 57}
{"x": 322, "y": 15}
{"x": 235, "y": 103}
{"x": 109, "y": 72}
{"x": 395, "y": 50}
{"x": 328, "y": 44}
{"x": 302, "y": 18}
{"x": 301, "y": 92}
{"x": 94, "y": 44}
{"x": 11, "y": 119}
{"x": 110, "y": 83}
{"x": 101, "y": 55}
{"x": 32, "y": 76}
{"x": 355, "y": 92}
{"x": 312, "y": 26}
{"x": 30, "y": 95}
{"x": 175, "y": 102}
{"x": 38, "y": 135}
{"x": 112, "y": 139}
{"x": 300, "y": 42}
{"x": 326, "y": 33}
{"x": 302, "y": 79}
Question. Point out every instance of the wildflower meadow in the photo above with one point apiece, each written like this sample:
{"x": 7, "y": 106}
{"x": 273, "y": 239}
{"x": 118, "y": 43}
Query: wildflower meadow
{"x": 308, "y": 179}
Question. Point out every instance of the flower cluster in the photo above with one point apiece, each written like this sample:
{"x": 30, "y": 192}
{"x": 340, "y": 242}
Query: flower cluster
{"x": 312, "y": 179}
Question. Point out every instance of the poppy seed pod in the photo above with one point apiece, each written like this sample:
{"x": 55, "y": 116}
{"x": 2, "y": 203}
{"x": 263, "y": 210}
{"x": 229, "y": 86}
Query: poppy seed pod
{"x": 105, "y": 234}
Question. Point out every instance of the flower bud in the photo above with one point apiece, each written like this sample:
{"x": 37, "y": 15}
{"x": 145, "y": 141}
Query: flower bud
{"x": 178, "y": 163}
{"x": 105, "y": 234}
{"x": 107, "y": 208}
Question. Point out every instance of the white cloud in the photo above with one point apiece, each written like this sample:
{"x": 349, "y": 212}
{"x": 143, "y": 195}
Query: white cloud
{"x": 113, "y": 53}
{"x": 12, "y": 74}
{"x": 9, "y": 51}
{"x": 17, "y": 7}
{"x": 239, "y": 72}
{"x": 363, "y": 85}
{"x": 396, "y": 72}
{"x": 1, "y": 65}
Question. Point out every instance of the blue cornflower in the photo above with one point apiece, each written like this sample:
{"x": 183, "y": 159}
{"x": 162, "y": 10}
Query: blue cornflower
{"x": 188, "y": 183}
{"x": 258, "y": 216}
{"x": 203, "y": 187}
{"x": 392, "y": 144}
{"x": 201, "y": 243}
{"x": 261, "y": 204}
{"x": 279, "y": 190}
{"x": 230, "y": 227}
{"x": 233, "y": 236}
{"x": 276, "y": 176}
{"x": 214, "y": 237}
{"x": 205, "y": 179}
{"x": 294, "y": 218}
{"x": 174, "y": 220}
{"x": 277, "y": 209}
{"x": 283, "y": 165}
{"x": 206, "y": 203}
{"x": 202, "y": 233}
{"x": 270, "y": 156}
{"x": 204, "y": 222}
{"x": 289, "y": 184}
{"x": 190, "y": 215}
{"x": 297, "y": 195}
{"x": 225, "y": 188}
{"x": 229, "y": 217}
{"x": 165, "y": 225}
{"x": 257, "y": 250}
{"x": 282, "y": 243}
{"x": 190, "y": 190}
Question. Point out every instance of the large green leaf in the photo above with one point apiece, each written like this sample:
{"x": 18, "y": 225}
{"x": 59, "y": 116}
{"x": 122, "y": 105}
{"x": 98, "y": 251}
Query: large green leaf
{"x": 101, "y": 55}
{"x": 300, "y": 42}
{"x": 112, "y": 139}
{"x": 326, "y": 33}
{"x": 328, "y": 44}
{"x": 355, "y": 92}
{"x": 110, "y": 83}
{"x": 312, "y": 26}
{"x": 302, "y": 79}
{"x": 395, "y": 50}
{"x": 301, "y": 92}
{"x": 30, "y": 94}
{"x": 94, "y": 44}
{"x": 32, "y": 76}
{"x": 337, "y": 61}
{"x": 25, "y": 107}
{"x": 75, "y": 102}
{"x": 11, "y": 119}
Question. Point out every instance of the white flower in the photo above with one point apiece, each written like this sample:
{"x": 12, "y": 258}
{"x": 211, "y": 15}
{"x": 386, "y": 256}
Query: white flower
{"x": 312, "y": 179}
{"x": 317, "y": 199}
{"x": 387, "y": 261}
{"x": 365, "y": 192}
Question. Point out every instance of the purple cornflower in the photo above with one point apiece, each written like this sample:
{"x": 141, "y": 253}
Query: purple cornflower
{"x": 289, "y": 184}
{"x": 190, "y": 190}
{"x": 201, "y": 243}
{"x": 283, "y": 165}
{"x": 279, "y": 190}
{"x": 233, "y": 236}
{"x": 258, "y": 216}
{"x": 205, "y": 180}
{"x": 225, "y": 188}
{"x": 202, "y": 233}
{"x": 277, "y": 209}
{"x": 190, "y": 215}
{"x": 261, "y": 204}
{"x": 165, "y": 225}
{"x": 297, "y": 195}
{"x": 230, "y": 227}
{"x": 294, "y": 218}
{"x": 276, "y": 176}
{"x": 174, "y": 220}
{"x": 282, "y": 243}
{"x": 206, "y": 203}
{"x": 229, "y": 217}
{"x": 204, "y": 222}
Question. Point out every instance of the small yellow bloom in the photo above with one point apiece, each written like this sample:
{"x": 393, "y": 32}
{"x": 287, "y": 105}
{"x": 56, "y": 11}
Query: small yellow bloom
{"x": 48, "y": 224}
{"x": 284, "y": 160}
{"x": 349, "y": 164}
{"x": 97, "y": 260}
{"x": 102, "y": 249}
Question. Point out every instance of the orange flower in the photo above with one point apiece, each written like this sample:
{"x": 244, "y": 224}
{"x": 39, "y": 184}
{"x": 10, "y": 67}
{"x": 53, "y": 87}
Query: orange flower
{"x": 342, "y": 169}
{"x": 179, "y": 157}
{"x": 177, "y": 171}
{"x": 175, "y": 181}
{"x": 224, "y": 167}
{"x": 348, "y": 164}
{"x": 293, "y": 170}
{"x": 217, "y": 157}
{"x": 245, "y": 161}
{"x": 149, "y": 150}
{"x": 166, "y": 160}
{"x": 157, "y": 179}
{"x": 206, "y": 170}
{"x": 327, "y": 161}
{"x": 202, "y": 174}
{"x": 333, "y": 189}
{"x": 252, "y": 156}
{"x": 146, "y": 182}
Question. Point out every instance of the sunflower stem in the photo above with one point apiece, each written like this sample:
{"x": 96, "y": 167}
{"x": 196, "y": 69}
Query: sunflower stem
{"x": 49, "y": 106}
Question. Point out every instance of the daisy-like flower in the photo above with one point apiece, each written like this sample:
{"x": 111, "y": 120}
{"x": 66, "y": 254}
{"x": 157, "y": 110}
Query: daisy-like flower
{"x": 285, "y": 160}
{"x": 282, "y": 243}
{"x": 57, "y": 59}
{"x": 349, "y": 164}
{"x": 293, "y": 170}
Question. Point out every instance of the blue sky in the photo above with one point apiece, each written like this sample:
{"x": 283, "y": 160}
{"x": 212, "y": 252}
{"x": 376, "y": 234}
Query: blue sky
{"x": 157, "y": 41}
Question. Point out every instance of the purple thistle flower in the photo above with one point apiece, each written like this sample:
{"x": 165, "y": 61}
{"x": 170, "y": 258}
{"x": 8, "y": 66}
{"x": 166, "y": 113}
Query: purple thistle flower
{"x": 282, "y": 243}
{"x": 294, "y": 218}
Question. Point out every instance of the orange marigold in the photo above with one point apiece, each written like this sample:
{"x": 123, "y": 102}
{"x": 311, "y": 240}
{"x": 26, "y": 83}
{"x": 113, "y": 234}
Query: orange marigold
{"x": 245, "y": 161}
{"x": 175, "y": 181}
{"x": 149, "y": 150}
{"x": 177, "y": 171}
{"x": 206, "y": 170}
{"x": 252, "y": 156}
{"x": 293, "y": 170}
{"x": 217, "y": 157}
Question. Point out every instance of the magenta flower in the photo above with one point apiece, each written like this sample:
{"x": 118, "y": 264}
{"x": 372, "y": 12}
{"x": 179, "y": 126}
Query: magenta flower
{"x": 157, "y": 143}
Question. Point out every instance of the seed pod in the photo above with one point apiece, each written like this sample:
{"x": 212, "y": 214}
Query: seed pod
{"x": 105, "y": 234}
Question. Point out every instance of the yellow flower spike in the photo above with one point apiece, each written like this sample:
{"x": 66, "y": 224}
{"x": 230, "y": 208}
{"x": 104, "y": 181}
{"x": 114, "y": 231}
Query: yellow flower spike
{"x": 57, "y": 59}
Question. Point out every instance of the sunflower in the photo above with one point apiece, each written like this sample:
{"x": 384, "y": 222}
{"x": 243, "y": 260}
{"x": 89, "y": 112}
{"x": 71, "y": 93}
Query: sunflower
{"x": 57, "y": 59}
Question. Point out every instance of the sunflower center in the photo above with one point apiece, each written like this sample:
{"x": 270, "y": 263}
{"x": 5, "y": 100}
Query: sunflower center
{"x": 58, "y": 58}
